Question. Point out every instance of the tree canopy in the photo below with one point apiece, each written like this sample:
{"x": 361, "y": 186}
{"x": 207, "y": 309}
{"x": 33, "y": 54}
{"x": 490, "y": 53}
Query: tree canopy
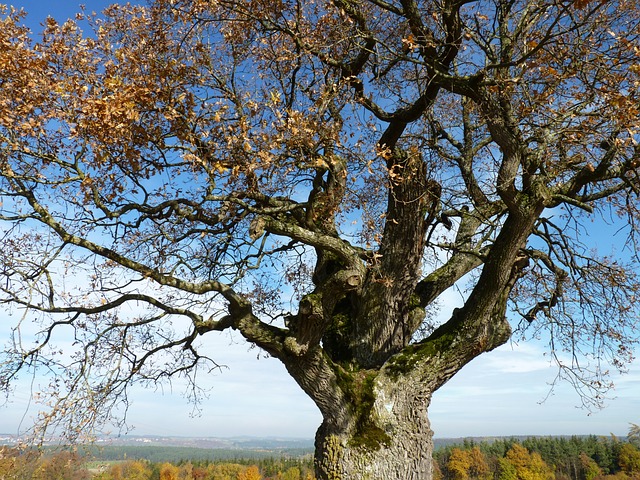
{"x": 315, "y": 175}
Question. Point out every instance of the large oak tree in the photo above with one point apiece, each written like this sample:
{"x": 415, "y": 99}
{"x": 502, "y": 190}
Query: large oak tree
{"x": 315, "y": 175}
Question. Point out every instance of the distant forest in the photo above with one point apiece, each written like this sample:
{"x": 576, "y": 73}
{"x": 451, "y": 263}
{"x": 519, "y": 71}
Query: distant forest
{"x": 173, "y": 454}
{"x": 540, "y": 458}
{"x": 534, "y": 458}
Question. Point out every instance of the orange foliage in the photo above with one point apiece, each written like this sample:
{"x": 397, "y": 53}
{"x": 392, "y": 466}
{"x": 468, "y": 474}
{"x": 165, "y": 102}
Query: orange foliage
{"x": 520, "y": 464}
{"x": 169, "y": 471}
{"x": 250, "y": 473}
{"x": 465, "y": 464}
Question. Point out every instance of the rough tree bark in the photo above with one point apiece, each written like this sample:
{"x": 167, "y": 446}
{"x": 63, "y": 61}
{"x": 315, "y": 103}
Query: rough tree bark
{"x": 374, "y": 404}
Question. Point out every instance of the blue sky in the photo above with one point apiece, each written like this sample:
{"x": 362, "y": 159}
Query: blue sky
{"x": 499, "y": 393}
{"x": 60, "y": 9}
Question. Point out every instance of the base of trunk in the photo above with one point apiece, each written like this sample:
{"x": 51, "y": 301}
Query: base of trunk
{"x": 397, "y": 452}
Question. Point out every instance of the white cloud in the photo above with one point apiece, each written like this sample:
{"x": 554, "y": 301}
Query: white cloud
{"x": 516, "y": 358}
{"x": 506, "y": 392}
{"x": 252, "y": 397}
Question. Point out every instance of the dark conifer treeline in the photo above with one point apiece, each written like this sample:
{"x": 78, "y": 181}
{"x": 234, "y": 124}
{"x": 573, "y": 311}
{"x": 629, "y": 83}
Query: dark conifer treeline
{"x": 177, "y": 454}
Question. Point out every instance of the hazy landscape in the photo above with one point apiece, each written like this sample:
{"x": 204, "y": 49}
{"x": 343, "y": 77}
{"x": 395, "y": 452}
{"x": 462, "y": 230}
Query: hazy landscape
{"x": 147, "y": 457}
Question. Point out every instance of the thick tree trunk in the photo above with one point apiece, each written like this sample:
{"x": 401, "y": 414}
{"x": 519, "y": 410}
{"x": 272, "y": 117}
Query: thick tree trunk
{"x": 371, "y": 384}
{"x": 396, "y": 443}
{"x": 375, "y": 422}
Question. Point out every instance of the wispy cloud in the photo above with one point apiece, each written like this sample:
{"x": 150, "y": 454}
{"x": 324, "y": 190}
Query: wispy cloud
{"x": 507, "y": 392}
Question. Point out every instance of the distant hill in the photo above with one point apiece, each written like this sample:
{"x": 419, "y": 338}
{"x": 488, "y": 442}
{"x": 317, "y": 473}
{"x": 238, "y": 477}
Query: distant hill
{"x": 241, "y": 442}
{"x": 173, "y": 449}
{"x": 169, "y": 448}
